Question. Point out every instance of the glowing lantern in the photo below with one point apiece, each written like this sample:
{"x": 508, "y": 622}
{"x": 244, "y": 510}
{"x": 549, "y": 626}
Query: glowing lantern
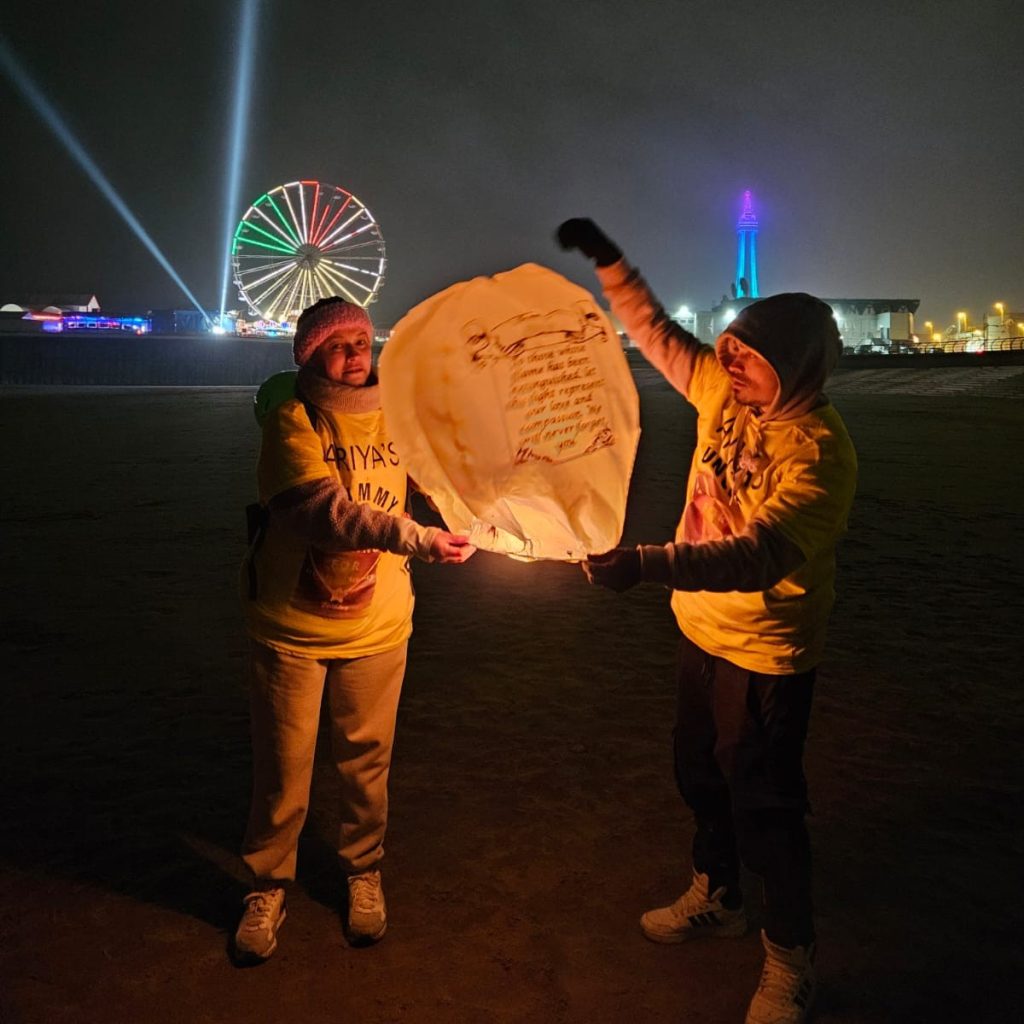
{"x": 513, "y": 406}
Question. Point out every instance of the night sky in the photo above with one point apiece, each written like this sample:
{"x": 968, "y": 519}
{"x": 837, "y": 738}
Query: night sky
{"x": 882, "y": 141}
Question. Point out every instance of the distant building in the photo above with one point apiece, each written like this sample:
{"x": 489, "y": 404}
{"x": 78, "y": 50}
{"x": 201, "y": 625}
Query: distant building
{"x": 182, "y": 321}
{"x": 53, "y": 321}
{"x": 85, "y": 323}
{"x": 865, "y": 325}
{"x": 745, "y": 282}
{"x": 877, "y": 325}
{"x": 64, "y": 302}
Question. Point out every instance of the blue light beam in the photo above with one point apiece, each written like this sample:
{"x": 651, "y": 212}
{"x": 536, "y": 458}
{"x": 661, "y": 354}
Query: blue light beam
{"x": 239, "y": 126}
{"x": 34, "y": 97}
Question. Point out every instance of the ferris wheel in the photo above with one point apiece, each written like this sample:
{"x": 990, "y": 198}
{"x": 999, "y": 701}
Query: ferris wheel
{"x": 301, "y": 242}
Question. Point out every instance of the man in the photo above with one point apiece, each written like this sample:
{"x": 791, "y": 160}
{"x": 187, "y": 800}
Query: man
{"x": 752, "y": 570}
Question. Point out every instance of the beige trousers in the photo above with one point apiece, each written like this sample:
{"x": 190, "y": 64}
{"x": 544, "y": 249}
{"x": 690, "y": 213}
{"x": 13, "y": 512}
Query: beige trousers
{"x": 362, "y": 699}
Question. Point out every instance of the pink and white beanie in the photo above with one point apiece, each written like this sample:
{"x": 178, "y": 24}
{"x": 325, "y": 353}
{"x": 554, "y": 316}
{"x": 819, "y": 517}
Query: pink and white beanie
{"x": 323, "y": 318}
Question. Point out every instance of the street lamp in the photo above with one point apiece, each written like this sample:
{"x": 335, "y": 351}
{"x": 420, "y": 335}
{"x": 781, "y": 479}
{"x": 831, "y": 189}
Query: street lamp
{"x": 1001, "y": 326}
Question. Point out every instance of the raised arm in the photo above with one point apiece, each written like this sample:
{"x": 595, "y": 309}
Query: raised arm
{"x": 666, "y": 346}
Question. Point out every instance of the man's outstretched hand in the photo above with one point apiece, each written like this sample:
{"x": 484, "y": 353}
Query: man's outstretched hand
{"x": 583, "y": 234}
{"x": 618, "y": 569}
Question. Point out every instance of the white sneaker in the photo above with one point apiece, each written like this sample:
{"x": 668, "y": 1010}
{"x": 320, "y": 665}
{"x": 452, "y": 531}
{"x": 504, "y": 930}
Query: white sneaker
{"x": 787, "y": 985}
{"x": 256, "y": 937}
{"x": 696, "y": 914}
{"x": 367, "y": 911}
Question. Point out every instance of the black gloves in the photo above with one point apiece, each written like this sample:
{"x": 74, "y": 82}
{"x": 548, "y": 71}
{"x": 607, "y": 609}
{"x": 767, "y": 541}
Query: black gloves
{"x": 583, "y": 234}
{"x": 618, "y": 569}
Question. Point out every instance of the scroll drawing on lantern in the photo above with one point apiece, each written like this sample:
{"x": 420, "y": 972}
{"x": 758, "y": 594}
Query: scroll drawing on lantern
{"x": 513, "y": 406}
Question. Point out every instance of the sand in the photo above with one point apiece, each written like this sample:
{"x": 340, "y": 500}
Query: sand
{"x": 533, "y": 812}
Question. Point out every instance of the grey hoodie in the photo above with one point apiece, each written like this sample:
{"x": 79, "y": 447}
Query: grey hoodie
{"x": 797, "y": 334}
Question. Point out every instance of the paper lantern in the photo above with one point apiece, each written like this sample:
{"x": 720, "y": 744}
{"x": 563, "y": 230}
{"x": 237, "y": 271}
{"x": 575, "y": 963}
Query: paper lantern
{"x": 513, "y": 408}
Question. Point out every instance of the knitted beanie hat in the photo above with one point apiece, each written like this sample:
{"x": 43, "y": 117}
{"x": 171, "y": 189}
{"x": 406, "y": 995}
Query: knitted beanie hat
{"x": 323, "y": 318}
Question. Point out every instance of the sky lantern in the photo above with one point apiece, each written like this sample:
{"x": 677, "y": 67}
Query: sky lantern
{"x": 512, "y": 404}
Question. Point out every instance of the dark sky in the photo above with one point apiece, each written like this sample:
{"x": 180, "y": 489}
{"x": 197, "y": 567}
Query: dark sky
{"x": 883, "y": 141}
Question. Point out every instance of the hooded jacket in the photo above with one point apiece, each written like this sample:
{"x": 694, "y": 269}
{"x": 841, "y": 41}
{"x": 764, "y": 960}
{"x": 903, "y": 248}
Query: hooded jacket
{"x": 752, "y": 565}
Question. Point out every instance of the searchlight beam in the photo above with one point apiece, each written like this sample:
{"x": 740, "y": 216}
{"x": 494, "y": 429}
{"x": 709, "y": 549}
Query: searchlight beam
{"x": 41, "y": 105}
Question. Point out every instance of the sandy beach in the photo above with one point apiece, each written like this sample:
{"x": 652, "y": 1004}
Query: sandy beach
{"x": 533, "y": 811}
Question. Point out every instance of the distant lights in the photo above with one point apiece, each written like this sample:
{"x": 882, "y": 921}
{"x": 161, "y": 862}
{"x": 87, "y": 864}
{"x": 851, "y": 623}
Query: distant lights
{"x": 83, "y": 322}
{"x": 263, "y": 328}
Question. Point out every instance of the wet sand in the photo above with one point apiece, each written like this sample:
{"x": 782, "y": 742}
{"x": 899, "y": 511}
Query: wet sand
{"x": 533, "y": 812}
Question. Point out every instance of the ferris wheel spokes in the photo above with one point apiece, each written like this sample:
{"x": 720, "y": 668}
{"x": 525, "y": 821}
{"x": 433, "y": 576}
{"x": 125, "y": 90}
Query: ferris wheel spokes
{"x": 283, "y": 219}
{"x": 339, "y": 268}
{"x": 290, "y": 301}
{"x": 275, "y": 243}
{"x": 330, "y": 240}
{"x": 296, "y": 223}
{"x": 264, "y": 302}
{"x": 302, "y": 207}
{"x": 286, "y": 237}
{"x": 322, "y": 232}
{"x": 339, "y": 282}
{"x": 276, "y": 272}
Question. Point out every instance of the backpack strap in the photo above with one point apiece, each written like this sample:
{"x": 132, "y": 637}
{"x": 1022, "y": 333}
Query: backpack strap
{"x": 257, "y": 516}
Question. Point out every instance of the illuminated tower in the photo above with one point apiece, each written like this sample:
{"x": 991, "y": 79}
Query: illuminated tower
{"x": 746, "y": 250}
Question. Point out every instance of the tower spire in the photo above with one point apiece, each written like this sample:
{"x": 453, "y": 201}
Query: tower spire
{"x": 746, "y": 250}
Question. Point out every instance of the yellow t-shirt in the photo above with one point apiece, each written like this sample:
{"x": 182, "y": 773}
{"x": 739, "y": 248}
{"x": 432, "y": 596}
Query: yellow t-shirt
{"x": 317, "y": 603}
{"x": 796, "y": 475}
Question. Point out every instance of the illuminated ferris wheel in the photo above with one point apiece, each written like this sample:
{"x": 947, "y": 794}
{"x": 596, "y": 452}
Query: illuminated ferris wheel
{"x": 301, "y": 242}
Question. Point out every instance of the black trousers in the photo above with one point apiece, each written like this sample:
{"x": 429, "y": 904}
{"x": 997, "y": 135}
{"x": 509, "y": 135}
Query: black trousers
{"x": 738, "y": 744}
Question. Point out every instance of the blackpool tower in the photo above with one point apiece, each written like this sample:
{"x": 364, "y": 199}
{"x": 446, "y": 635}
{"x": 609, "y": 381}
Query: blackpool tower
{"x": 746, "y": 251}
